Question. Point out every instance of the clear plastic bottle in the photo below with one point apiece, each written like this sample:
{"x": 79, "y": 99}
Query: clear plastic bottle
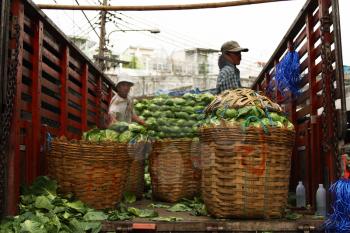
{"x": 321, "y": 207}
{"x": 301, "y": 196}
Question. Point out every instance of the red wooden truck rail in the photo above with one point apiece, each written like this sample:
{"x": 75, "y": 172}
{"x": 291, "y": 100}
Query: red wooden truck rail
{"x": 59, "y": 91}
{"x": 315, "y": 35}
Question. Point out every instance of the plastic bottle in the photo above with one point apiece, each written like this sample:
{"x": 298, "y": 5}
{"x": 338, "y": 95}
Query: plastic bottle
{"x": 301, "y": 202}
{"x": 321, "y": 208}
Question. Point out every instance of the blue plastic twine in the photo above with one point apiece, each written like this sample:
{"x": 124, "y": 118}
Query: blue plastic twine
{"x": 339, "y": 220}
{"x": 288, "y": 73}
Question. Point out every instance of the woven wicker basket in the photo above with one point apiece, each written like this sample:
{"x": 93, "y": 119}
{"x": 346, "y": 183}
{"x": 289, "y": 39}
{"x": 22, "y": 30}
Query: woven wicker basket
{"x": 136, "y": 180}
{"x": 172, "y": 170}
{"x": 245, "y": 174}
{"x": 95, "y": 173}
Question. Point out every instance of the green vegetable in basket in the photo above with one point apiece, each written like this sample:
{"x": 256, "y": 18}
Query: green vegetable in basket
{"x": 290, "y": 126}
{"x": 136, "y": 128}
{"x": 179, "y": 101}
{"x": 125, "y": 137}
{"x": 109, "y": 135}
{"x": 119, "y": 126}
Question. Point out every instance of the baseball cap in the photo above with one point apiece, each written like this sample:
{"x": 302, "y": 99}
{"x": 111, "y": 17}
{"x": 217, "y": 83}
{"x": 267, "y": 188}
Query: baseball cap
{"x": 232, "y": 46}
{"x": 124, "y": 78}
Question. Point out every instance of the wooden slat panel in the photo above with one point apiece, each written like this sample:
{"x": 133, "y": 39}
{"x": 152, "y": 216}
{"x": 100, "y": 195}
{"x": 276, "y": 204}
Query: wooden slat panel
{"x": 50, "y": 56}
{"x": 73, "y": 111}
{"x": 53, "y": 87}
{"x": 299, "y": 39}
{"x": 74, "y": 99}
{"x": 26, "y": 106}
{"x": 26, "y": 72}
{"x": 91, "y": 86}
{"x": 91, "y": 99}
{"x": 27, "y": 56}
{"x": 303, "y": 97}
{"x": 64, "y": 90}
{"x": 303, "y": 112}
{"x": 53, "y": 44}
{"x": 27, "y": 38}
{"x": 74, "y": 62}
{"x": 75, "y": 75}
{"x": 53, "y": 73}
{"x": 50, "y": 100}
{"x": 303, "y": 50}
{"x": 73, "y": 86}
{"x": 26, "y": 89}
{"x": 74, "y": 124}
{"x": 50, "y": 115}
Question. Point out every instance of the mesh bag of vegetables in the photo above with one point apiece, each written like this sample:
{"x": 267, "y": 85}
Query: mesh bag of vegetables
{"x": 246, "y": 148}
{"x": 174, "y": 160}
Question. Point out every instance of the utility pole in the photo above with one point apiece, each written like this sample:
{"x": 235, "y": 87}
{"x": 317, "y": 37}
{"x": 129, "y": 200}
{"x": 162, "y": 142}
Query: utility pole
{"x": 101, "y": 49}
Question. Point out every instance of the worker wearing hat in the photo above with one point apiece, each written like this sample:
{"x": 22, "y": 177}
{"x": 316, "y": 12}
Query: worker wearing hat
{"x": 121, "y": 106}
{"x": 229, "y": 75}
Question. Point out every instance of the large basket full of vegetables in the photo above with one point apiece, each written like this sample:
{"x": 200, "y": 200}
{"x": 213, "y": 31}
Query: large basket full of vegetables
{"x": 175, "y": 159}
{"x": 94, "y": 172}
{"x": 172, "y": 172}
{"x": 246, "y": 156}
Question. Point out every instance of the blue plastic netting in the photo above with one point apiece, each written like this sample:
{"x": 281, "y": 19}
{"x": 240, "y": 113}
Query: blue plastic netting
{"x": 339, "y": 220}
{"x": 288, "y": 73}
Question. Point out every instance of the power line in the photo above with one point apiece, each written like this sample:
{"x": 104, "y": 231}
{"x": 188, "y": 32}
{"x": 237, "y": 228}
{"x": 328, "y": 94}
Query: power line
{"x": 88, "y": 20}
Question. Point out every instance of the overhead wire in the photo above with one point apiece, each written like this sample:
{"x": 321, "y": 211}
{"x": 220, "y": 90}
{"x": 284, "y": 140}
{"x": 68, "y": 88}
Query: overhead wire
{"x": 88, "y": 21}
{"x": 188, "y": 39}
{"x": 175, "y": 34}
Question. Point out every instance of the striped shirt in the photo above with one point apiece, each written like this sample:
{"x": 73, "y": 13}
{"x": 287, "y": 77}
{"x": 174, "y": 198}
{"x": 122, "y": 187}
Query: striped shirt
{"x": 229, "y": 78}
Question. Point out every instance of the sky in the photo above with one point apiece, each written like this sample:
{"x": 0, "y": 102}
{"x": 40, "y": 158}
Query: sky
{"x": 258, "y": 27}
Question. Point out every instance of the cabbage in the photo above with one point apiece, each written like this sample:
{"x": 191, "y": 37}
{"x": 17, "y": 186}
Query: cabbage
{"x": 136, "y": 128}
{"x": 125, "y": 137}
{"x": 109, "y": 135}
{"x": 119, "y": 126}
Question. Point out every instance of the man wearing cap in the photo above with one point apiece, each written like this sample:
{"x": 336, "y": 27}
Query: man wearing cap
{"x": 229, "y": 75}
{"x": 121, "y": 106}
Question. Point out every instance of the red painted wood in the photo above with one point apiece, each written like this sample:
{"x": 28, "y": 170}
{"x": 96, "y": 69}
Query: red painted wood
{"x": 28, "y": 142}
{"x": 42, "y": 161}
{"x": 326, "y": 38}
{"x": 84, "y": 101}
{"x": 50, "y": 115}
{"x": 49, "y": 70}
{"x": 74, "y": 87}
{"x": 51, "y": 86}
{"x": 64, "y": 91}
{"x": 50, "y": 100}
{"x": 74, "y": 99}
{"x": 50, "y": 56}
{"x": 73, "y": 111}
{"x": 75, "y": 62}
{"x": 36, "y": 98}
{"x": 75, "y": 75}
{"x": 314, "y": 171}
{"x": 13, "y": 175}
{"x": 98, "y": 103}
{"x": 52, "y": 43}
{"x": 74, "y": 124}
